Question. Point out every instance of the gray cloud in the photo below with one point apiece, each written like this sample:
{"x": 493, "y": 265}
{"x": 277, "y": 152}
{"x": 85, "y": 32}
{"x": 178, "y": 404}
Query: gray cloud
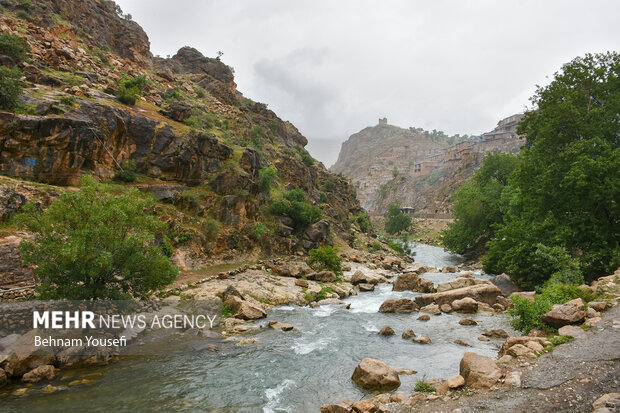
{"x": 333, "y": 67}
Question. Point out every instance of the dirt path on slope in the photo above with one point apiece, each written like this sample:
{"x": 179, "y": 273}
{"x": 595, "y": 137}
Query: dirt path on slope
{"x": 569, "y": 379}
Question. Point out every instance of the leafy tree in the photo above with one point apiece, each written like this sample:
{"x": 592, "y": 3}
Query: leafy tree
{"x": 396, "y": 221}
{"x": 14, "y": 46}
{"x": 10, "y": 87}
{"x": 566, "y": 186}
{"x": 364, "y": 222}
{"x": 96, "y": 244}
{"x": 395, "y": 172}
{"x": 477, "y": 205}
{"x": 266, "y": 176}
{"x": 326, "y": 258}
{"x": 295, "y": 206}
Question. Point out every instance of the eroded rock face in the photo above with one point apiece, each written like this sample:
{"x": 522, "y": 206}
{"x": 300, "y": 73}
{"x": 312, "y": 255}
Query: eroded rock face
{"x": 413, "y": 282}
{"x": 12, "y": 272}
{"x": 96, "y": 139}
{"x": 398, "y": 305}
{"x": 375, "y": 375}
{"x": 572, "y": 312}
{"x": 479, "y": 371}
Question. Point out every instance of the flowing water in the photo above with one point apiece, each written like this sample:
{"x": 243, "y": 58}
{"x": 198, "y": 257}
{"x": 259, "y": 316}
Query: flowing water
{"x": 284, "y": 371}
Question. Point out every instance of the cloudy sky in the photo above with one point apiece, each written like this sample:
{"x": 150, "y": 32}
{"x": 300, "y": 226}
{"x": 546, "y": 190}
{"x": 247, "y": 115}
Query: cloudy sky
{"x": 333, "y": 67}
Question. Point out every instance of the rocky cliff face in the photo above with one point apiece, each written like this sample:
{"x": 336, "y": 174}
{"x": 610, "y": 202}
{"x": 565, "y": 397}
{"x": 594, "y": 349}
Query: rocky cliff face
{"x": 195, "y": 142}
{"x": 371, "y": 157}
{"x": 390, "y": 164}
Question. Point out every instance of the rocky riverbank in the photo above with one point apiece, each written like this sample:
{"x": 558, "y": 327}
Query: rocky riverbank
{"x": 580, "y": 375}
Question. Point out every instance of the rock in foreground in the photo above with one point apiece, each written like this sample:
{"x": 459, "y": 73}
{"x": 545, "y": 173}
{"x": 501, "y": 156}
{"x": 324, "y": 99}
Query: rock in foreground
{"x": 572, "y": 312}
{"x": 375, "y": 375}
{"x": 479, "y": 371}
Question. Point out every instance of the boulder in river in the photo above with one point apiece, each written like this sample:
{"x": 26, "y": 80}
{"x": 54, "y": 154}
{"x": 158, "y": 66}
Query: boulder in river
{"x": 375, "y": 375}
{"x": 496, "y": 333}
{"x": 45, "y": 372}
{"x": 343, "y": 407}
{"x": 276, "y": 325}
{"x": 243, "y": 309}
{"x": 413, "y": 282}
{"x": 386, "y": 331}
{"x": 407, "y": 334}
{"x": 431, "y": 309}
{"x": 424, "y": 317}
{"x": 360, "y": 277}
{"x": 465, "y": 305}
{"x": 23, "y": 356}
{"x": 398, "y": 305}
{"x": 572, "y": 312}
{"x": 479, "y": 371}
{"x": 462, "y": 343}
{"x": 449, "y": 268}
{"x": 366, "y": 287}
{"x": 467, "y": 322}
{"x": 459, "y": 283}
{"x": 484, "y": 293}
{"x": 423, "y": 339}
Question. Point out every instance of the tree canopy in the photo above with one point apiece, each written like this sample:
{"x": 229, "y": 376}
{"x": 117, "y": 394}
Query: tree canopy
{"x": 395, "y": 220}
{"x": 95, "y": 243}
{"x": 564, "y": 191}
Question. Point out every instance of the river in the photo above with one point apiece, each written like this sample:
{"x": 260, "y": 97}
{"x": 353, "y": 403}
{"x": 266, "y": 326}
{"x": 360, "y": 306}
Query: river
{"x": 285, "y": 371}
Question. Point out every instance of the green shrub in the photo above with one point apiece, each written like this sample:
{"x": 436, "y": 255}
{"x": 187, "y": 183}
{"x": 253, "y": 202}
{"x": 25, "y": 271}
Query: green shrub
{"x": 172, "y": 95}
{"x": 68, "y": 100}
{"x": 525, "y": 315}
{"x": 211, "y": 228}
{"x": 226, "y": 311}
{"x": 364, "y": 222}
{"x": 200, "y": 93}
{"x": 396, "y": 246}
{"x": 326, "y": 258}
{"x": 128, "y": 172}
{"x": 201, "y": 120}
{"x": 376, "y": 246}
{"x": 259, "y": 231}
{"x": 96, "y": 244}
{"x": 424, "y": 387}
{"x": 14, "y": 47}
{"x": 10, "y": 87}
{"x": 306, "y": 158}
{"x": 191, "y": 200}
{"x": 323, "y": 293}
{"x": 130, "y": 89}
{"x": 266, "y": 176}
{"x": 395, "y": 220}
{"x": 557, "y": 340}
{"x": 295, "y": 206}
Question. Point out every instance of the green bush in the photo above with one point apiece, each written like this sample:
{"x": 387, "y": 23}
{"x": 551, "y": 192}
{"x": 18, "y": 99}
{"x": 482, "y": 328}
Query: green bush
{"x": 199, "y": 119}
{"x": 525, "y": 315}
{"x": 128, "y": 173}
{"x": 266, "y": 176}
{"x": 557, "y": 340}
{"x": 295, "y": 206}
{"x": 130, "y": 89}
{"x": 200, "y": 93}
{"x": 364, "y": 222}
{"x": 14, "y": 47}
{"x": 96, "y": 243}
{"x": 68, "y": 100}
{"x": 211, "y": 228}
{"x": 423, "y": 387}
{"x": 259, "y": 231}
{"x": 10, "y": 87}
{"x": 191, "y": 200}
{"x": 395, "y": 220}
{"x": 326, "y": 258}
{"x": 305, "y": 156}
{"x": 376, "y": 246}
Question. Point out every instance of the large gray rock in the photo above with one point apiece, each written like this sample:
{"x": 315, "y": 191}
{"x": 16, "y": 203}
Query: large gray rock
{"x": 479, "y": 371}
{"x": 323, "y": 276}
{"x": 459, "y": 283}
{"x": 572, "y": 312}
{"x": 375, "y": 375}
{"x": 360, "y": 277}
{"x": 506, "y": 286}
{"x": 398, "y": 305}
